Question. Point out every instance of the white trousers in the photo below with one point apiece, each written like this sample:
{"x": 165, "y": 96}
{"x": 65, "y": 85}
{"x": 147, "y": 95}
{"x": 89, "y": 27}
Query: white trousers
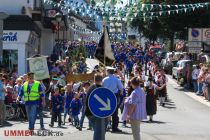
{"x": 135, "y": 126}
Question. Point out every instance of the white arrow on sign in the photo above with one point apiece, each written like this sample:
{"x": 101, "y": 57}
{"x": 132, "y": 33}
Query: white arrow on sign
{"x": 107, "y": 106}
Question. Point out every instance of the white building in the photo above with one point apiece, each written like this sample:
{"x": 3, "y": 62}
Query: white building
{"x": 34, "y": 26}
{"x": 21, "y": 36}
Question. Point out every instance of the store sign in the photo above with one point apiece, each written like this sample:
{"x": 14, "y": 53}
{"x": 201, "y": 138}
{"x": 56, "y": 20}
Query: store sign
{"x": 194, "y": 44}
{"x": 206, "y": 34}
{"x": 195, "y": 34}
{"x": 10, "y": 36}
{"x": 15, "y": 36}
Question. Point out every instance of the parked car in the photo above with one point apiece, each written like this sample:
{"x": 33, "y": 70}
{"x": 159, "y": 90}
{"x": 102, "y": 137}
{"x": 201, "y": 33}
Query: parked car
{"x": 168, "y": 66}
{"x": 180, "y": 68}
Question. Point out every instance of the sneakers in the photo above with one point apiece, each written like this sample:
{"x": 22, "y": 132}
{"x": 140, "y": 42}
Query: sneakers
{"x": 116, "y": 130}
{"x": 50, "y": 125}
{"x": 79, "y": 128}
{"x": 124, "y": 125}
{"x": 89, "y": 128}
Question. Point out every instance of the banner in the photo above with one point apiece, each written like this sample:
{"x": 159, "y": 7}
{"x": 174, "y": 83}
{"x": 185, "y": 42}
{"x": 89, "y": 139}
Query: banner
{"x": 104, "y": 52}
{"x": 107, "y": 46}
{"x": 80, "y": 77}
{"x": 38, "y": 65}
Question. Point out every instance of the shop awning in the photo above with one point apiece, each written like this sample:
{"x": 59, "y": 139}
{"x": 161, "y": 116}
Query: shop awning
{"x": 21, "y": 22}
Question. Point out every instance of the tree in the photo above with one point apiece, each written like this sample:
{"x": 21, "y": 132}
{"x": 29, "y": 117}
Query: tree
{"x": 167, "y": 26}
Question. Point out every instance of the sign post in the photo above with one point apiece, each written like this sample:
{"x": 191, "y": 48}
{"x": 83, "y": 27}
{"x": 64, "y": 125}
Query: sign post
{"x": 102, "y": 103}
{"x": 206, "y": 35}
{"x": 194, "y": 34}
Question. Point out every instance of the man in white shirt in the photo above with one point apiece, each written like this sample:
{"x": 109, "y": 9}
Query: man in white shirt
{"x": 115, "y": 85}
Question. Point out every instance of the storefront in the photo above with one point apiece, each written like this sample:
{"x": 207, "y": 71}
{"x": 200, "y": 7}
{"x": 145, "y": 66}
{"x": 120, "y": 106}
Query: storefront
{"x": 17, "y": 47}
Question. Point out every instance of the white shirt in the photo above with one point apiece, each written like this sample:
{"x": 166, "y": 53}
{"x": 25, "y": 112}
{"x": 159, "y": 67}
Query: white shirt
{"x": 143, "y": 77}
{"x": 195, "y": 74}
{"x": 112, "y": 83}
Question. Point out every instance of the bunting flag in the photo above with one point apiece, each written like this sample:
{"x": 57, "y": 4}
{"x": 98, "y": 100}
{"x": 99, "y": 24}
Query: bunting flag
{"x": 111, "y": 8}
{"x": 106, "y": 7}
{"x": 113, "y": 2}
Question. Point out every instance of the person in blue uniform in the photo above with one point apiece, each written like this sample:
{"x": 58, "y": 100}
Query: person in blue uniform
{"x": 75, "y": 108}
{"x": 57, "y": 106}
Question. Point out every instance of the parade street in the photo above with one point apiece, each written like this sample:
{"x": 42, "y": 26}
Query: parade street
{"x": 183, "y": 118}
{"x": 104, "y": 70}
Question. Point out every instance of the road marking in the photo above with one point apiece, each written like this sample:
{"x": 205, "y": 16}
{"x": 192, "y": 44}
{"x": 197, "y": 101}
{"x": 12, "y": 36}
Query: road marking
{"x": 107, "y": 106}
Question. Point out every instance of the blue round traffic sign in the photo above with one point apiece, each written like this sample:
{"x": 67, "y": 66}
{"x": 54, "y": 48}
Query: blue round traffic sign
{"x": 102, "y": 102}
{"x": 195, "y": 33}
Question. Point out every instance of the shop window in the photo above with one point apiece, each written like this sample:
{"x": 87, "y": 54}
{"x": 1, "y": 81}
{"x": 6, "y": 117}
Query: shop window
{"x": 10, "y": 59}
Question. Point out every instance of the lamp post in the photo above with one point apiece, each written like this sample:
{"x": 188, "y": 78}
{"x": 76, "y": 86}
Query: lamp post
{"x": 58, "y": 18}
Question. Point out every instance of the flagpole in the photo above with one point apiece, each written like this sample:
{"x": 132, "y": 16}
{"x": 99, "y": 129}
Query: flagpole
{"x": 104, "y": 59}
{"x": 104, "y": 28}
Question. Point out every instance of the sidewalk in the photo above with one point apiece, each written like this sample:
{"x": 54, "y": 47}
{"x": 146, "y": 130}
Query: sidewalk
{"x": 200, "y": 99}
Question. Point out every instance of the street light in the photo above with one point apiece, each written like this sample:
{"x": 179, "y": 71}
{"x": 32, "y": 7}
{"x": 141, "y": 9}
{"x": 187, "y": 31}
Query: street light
{"x": 58, "y": 18}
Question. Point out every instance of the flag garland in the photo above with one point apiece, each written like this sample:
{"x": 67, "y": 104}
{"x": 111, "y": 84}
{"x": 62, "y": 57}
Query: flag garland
{"x": 84, "y": 30}
{"x": 130, "y": 11}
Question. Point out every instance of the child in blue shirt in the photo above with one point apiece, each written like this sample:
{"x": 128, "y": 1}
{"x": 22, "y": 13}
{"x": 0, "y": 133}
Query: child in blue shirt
{"x": 83, "y": 99}
{"x": 69, "y": 95}
{"x": 75, "y": 108}
{"x": 57, "y": 103}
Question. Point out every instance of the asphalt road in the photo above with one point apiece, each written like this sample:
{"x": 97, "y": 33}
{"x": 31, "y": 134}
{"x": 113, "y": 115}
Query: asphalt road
{"x": 182, "y": 118}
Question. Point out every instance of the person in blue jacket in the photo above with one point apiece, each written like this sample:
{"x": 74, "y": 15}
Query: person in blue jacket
{"x": 69, "y": 95}
{"x": 75, "y": 108}
{"x": 57, "y": 107}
